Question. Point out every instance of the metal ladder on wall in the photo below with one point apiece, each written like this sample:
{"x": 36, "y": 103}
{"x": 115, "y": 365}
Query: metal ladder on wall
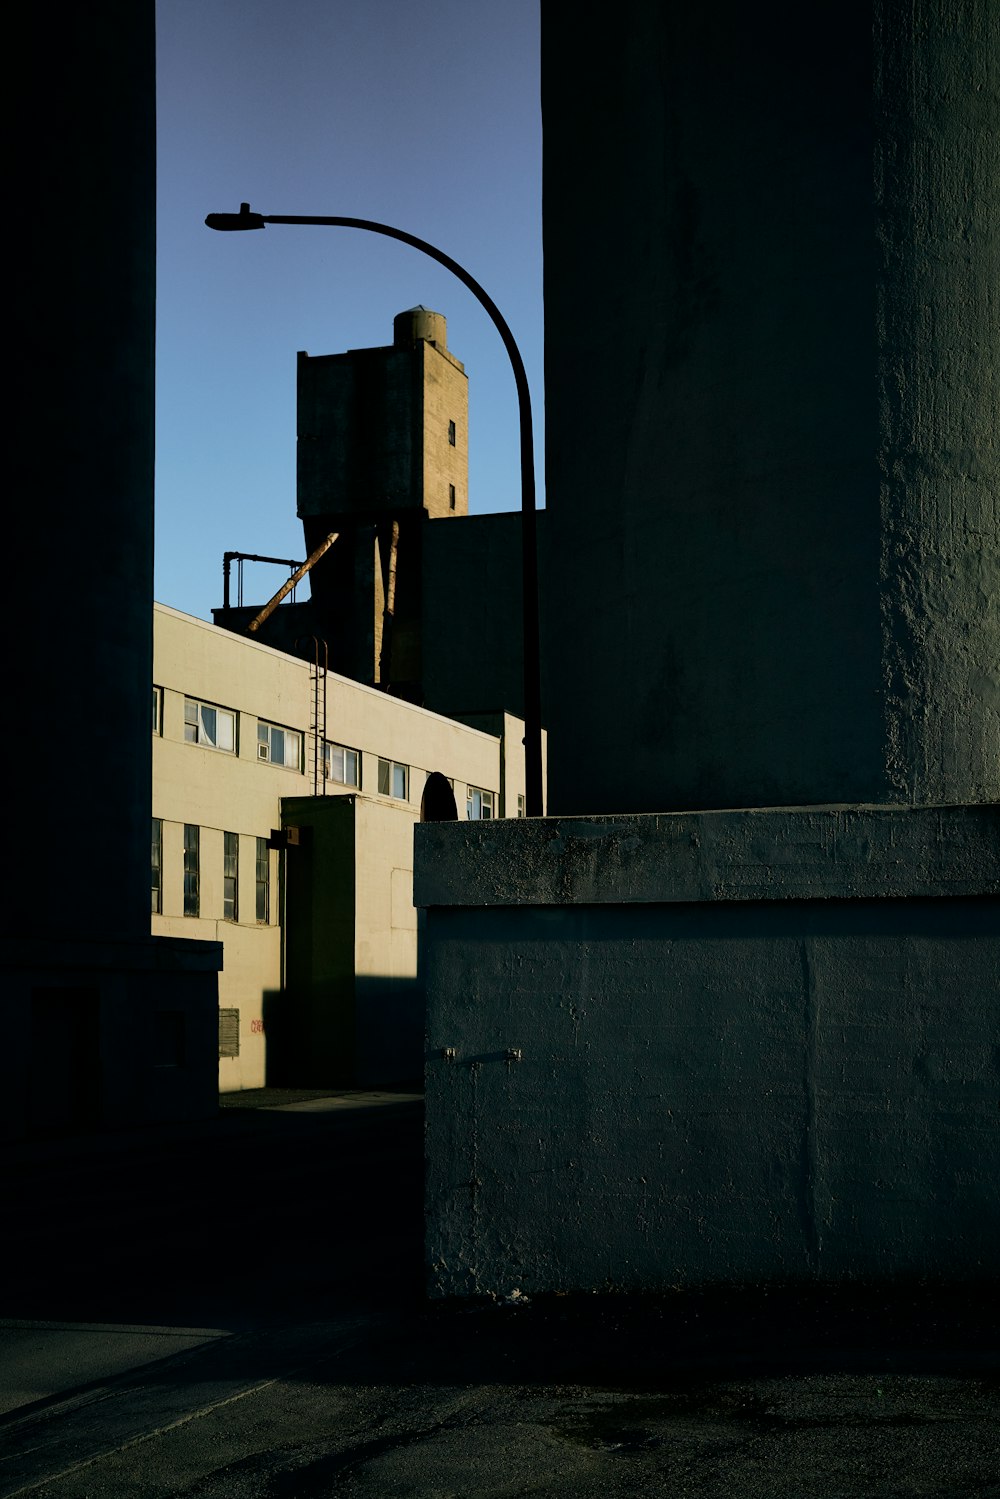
{"x": 318, "y": 668}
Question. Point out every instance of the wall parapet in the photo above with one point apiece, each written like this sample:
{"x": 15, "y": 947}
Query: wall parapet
{"x": 759, "y": 854}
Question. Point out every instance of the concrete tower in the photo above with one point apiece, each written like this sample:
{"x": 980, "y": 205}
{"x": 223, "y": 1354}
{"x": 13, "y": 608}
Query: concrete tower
{"x": 382, "y": 448}
{"x": 779, "y": 497}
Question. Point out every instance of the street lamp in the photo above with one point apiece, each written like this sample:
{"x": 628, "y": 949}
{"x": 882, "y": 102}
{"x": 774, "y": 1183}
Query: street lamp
{"x": 246, "y": 219}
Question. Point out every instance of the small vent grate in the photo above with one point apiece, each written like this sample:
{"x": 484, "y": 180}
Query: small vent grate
{"x": 229, "y": 1033}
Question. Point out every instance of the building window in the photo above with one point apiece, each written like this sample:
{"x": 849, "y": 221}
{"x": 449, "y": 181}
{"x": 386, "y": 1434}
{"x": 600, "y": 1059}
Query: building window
{"x": 520, "y": 804}
{"x": 451, "y": 433}
{"x": 157, "y": 710}
{"x": 155, "y": 865}
{"x": 231, "y": 876}
{"x": 192, "y": 860}
{"x": 205, "y": 724}
{"x": 451, "y": 496}
{"x": 393, "y": 779}
{"x": 229, "y": 1033}
{"x": 341, "y": 765}
{"x": 478, "y": 803}
{"x": 279, "y": 746}
{"x": 263, "y": 872}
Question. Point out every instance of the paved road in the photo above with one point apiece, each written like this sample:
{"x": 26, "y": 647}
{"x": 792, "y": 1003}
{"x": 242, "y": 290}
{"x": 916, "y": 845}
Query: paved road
{"x": 285, "y": 1246}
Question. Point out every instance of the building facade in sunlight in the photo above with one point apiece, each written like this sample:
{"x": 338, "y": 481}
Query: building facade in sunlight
{"x": 284, "y": 800}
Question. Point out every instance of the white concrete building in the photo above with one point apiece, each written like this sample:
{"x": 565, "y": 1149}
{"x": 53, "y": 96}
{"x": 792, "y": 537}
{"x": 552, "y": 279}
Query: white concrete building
{"x": 239, "y": 729}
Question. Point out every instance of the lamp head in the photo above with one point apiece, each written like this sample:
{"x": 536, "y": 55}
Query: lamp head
{"x": 242, "y": 220}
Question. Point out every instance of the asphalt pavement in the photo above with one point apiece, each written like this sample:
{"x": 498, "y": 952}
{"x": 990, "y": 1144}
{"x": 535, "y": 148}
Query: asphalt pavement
{"x": 234, "y": 1310}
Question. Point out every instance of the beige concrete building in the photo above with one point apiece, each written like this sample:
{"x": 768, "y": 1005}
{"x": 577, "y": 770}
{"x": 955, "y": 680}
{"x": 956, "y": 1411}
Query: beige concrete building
{"x": 248, "y": 742}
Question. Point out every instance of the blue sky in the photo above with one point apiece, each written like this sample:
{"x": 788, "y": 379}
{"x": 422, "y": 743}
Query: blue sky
{"x": 425, "y": 116}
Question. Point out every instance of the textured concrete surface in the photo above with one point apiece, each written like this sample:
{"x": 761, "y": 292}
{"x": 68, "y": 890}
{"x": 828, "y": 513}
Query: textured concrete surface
{"x": 629, "y": 1097}
{"x": 792, "y": 853}
{"x": 771, "y": 395}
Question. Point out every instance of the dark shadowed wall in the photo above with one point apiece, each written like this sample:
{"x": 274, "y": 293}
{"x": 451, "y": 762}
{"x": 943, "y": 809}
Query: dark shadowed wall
{"x": 771, "y": 245}
{"x": 81, "y": 503}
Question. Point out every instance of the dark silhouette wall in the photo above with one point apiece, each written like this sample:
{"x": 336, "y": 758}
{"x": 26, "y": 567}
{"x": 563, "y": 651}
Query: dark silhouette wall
{"x": 103, "y": 1025}
{"x": 82, "y": 437}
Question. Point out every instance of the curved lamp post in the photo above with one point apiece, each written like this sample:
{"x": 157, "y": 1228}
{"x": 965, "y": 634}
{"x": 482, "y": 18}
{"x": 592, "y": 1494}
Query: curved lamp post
{"x": 245, "y": 219}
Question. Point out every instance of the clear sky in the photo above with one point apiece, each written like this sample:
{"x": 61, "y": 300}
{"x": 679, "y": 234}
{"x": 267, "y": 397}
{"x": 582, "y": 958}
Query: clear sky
{"x": 422, "y": 115}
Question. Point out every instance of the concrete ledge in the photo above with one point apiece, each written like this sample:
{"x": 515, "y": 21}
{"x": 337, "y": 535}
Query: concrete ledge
{"x": 783, "y": 853}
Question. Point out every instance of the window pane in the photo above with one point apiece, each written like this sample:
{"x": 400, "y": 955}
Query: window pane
{"x": 155, "y": 859}
{"x": 292, "y": 756}
{"x": 383, "y": 777}
{"x": 227, "y": 730}
{"x": 479, "y": 803}
{"x": 261, "y": 733}
{"x": 399, "y": 781}
{"x": 263, "y": 890}
{"x": 191, "y": 844}
{"x": 342, "y": 765}
{"x": 208, "y": 729}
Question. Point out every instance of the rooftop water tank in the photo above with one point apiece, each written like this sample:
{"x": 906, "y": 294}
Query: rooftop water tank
{"x": 419, "y": 324}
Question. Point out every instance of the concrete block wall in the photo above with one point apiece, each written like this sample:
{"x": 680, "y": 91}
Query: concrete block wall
{"x": 682, "y": 1078}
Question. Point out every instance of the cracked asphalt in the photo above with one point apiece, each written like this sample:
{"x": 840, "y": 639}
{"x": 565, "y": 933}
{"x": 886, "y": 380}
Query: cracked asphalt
{"x": 294, "y": 1235}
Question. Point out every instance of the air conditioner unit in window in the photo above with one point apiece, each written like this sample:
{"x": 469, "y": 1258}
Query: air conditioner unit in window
{"x": 263, "y": 752}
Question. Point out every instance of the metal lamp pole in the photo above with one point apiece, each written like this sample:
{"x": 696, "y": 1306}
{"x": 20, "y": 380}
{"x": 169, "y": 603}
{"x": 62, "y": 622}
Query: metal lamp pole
{"x": 246, "y": 219}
